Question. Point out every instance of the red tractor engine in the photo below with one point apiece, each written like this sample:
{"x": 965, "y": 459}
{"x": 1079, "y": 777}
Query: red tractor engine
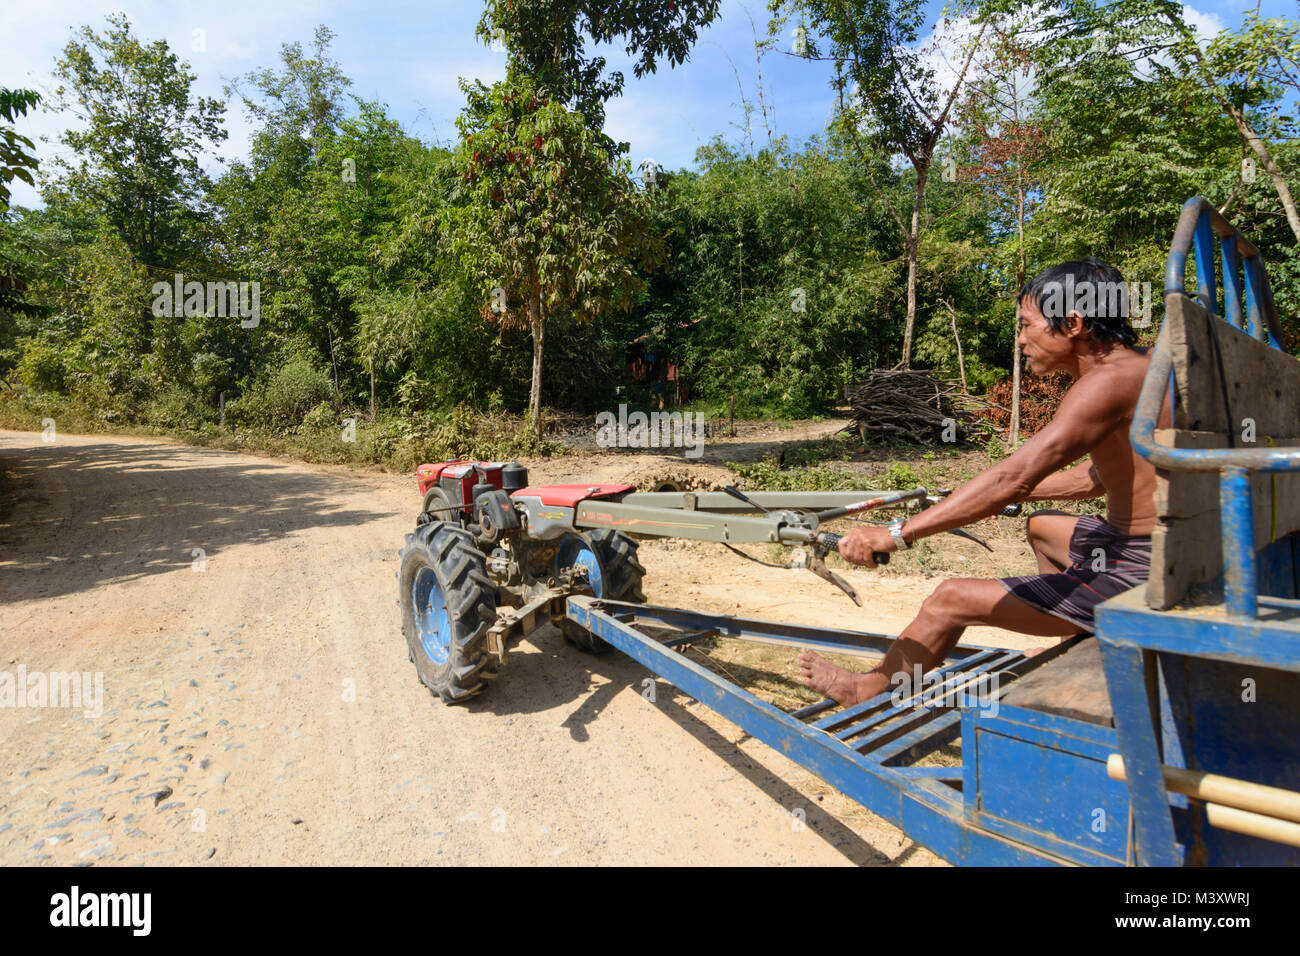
{"x": 450, "y": 488}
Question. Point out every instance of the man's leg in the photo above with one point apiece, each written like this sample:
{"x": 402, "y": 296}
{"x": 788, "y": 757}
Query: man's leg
{"x": 1049, "y": 535}
{"x": 955, "y": 605}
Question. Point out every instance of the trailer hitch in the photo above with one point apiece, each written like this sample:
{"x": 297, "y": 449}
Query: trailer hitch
{"x": 546, "y": 605}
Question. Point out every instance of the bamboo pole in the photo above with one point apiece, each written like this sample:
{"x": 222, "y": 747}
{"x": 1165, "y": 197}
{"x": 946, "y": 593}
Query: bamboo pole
{"x": 1227, "y": 792}
{"x": 1253, "y": 824}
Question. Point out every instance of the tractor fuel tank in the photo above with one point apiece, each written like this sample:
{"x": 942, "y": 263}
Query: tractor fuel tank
{"x": 459, "y": 480}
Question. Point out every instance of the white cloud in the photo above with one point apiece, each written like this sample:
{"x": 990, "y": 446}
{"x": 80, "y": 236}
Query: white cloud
{"x": 1206, "y": 25}
{"x": 944, "y": 51}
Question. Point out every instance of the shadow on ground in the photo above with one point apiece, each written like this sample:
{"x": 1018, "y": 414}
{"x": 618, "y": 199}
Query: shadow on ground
{"x": 561, "y": 675}
{"x": 117, "y": 512}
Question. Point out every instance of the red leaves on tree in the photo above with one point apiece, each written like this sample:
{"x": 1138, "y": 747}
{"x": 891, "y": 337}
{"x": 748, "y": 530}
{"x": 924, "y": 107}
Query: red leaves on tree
{"x": 1039, "y": 400}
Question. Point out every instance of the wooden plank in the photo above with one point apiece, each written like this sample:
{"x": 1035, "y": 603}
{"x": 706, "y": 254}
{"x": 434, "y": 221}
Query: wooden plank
{"x": 1073, "y": 685}
{"x": 1263, "y": 383}
{"x": 1185, "y": 552}
{"x": 1192, "y": 493}
{"x": 1195, "y": 493}
{"x": 1263, "y": 386}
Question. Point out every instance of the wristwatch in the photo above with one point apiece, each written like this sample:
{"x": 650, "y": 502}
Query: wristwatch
{"x": 896, "y": 532}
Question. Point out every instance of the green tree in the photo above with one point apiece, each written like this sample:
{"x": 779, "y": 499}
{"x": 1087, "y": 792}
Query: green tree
{"x": 887, "y": 98}
{"x": 1004, "y": 143}
{"x": 1129, "y": 140}
{"x": 548, "y": 220}
{"x": 1260, "y": 53}
{"x": 418, "y": 326}
{"x": 783, "y": 278}
{"x": 15, "y": 162}
{"x": 549, "y": 43}
{"x": 299, "y": 214}
{"x": 1156, "y": 39}
{"x": 136, "y": 161}
{"x": 299, "y": 106}
{"x": 552, "y": 223}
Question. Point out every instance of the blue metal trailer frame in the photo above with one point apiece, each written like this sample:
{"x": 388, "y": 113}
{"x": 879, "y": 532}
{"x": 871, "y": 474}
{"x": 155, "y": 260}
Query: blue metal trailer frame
{"x": 1033, "y": 787}
{"x": 870, "y": 752}
{"x": 1169, "y": 671}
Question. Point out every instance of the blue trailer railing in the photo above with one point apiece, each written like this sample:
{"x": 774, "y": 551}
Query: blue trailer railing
{"x": 1243, "y": 271}
{"x": 1247, "y": 305}
{"x": 1175, "y": 676}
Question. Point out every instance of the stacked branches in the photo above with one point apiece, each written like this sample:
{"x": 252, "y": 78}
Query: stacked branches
{"x": 908, "y": 405}
{"x": 1039, "y": 400}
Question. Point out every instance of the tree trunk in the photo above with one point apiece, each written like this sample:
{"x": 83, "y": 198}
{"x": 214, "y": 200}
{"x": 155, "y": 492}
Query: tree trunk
{"x": 1013, "y": 433}
{"x": 1266, "y": 158}
{"x": 913, "y": 251}
{"x": 538, "y": 324}
{"x": 961, "y": 360}
{"x": 1249, "y": 135}
{"x": 334, "y": 365}
{"x": 911, "y": 298}
{"x": 372, "y": 394}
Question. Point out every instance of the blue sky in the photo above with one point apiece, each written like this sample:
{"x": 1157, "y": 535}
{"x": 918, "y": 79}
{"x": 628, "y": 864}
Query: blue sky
{"x": 409, "y": 55}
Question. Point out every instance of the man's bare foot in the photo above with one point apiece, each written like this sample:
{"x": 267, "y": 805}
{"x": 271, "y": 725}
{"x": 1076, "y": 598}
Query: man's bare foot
{"x": 844, "y": 687}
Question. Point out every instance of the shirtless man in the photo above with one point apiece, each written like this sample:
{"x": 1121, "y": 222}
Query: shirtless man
{"x": 1072, "y": 317}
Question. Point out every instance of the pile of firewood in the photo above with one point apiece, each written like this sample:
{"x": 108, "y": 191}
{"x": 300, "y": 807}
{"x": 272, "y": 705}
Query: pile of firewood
{"x": 1039, "y": 400}
{"x": 897, "y": 405}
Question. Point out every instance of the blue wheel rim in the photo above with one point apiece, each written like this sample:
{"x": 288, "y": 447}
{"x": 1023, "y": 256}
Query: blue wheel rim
{"x": 432, "y": 625}
{"x": 576, "y": 551}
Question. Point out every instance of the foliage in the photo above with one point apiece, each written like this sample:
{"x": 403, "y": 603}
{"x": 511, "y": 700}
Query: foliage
{"x": 549, "y": 42}
{"x": 888, "y": 100}
{"x": 772, "y": 278}
{"x": 15, "y": 162}
{"x": 281, "y": 400}
{"x": 767, "y": 475}
{"x": 546, "y": 221}
{"x": 136, "y": 161}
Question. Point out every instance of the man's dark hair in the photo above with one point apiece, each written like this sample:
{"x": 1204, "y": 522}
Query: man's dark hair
{"x": 1090, "y": 287}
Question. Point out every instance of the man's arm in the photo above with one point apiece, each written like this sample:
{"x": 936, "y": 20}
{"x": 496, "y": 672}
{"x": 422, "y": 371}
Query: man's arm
{"x": 1091, "y": 409}
{"x": 1073, "y": 484}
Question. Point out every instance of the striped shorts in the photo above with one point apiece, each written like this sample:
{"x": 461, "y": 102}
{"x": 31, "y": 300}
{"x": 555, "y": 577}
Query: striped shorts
{"x": 1103, "y": 563}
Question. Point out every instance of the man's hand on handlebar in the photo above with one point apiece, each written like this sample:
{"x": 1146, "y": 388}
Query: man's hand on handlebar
{"x": 857, "y": 546}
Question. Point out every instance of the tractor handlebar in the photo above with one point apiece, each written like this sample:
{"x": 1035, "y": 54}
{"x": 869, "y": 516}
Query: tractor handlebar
{"x": 829, "y": 541}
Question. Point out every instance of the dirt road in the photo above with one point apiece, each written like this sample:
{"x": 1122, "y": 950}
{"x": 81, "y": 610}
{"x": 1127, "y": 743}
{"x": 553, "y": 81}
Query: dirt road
{"x": 258, "y": 705}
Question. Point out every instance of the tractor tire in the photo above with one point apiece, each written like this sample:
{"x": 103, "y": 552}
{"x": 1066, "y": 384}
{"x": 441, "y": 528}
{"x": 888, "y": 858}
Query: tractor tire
{"x": 612, "y": 569}
{"x": 436, "y": 500}
{"x": 448, "y": 603}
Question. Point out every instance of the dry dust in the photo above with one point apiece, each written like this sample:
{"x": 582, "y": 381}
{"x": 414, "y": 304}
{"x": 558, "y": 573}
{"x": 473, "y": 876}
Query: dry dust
{"x": 259, "y": 707}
